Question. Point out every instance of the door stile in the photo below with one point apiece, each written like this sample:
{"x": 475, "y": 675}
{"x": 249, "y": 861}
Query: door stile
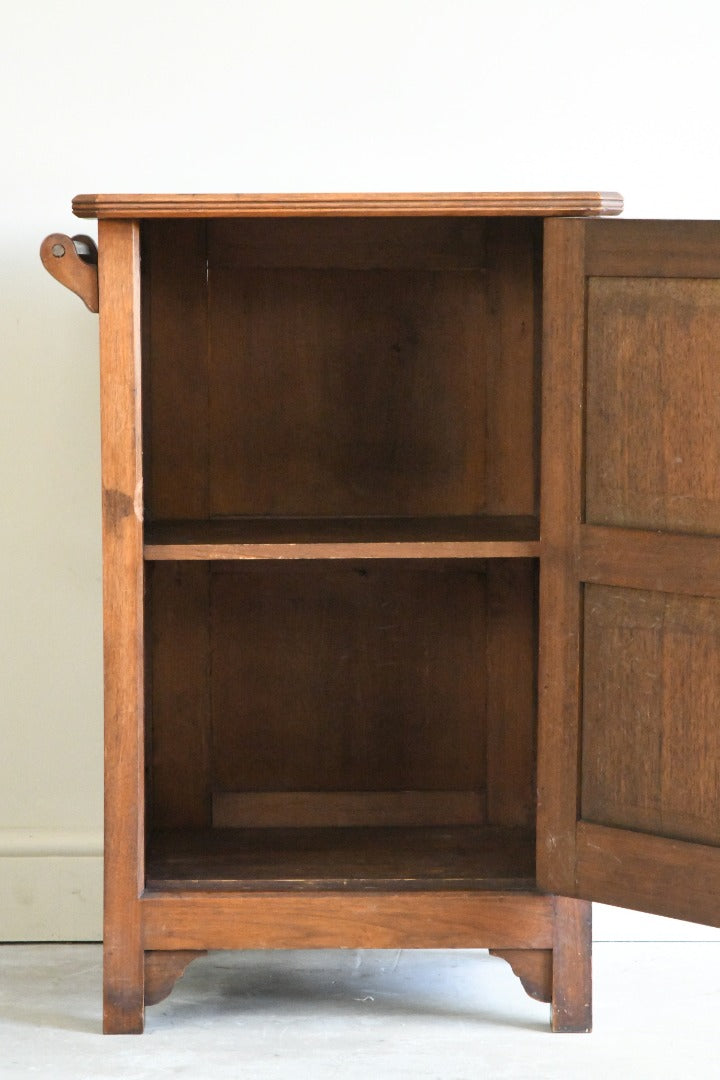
{"x": 560, "y": 515}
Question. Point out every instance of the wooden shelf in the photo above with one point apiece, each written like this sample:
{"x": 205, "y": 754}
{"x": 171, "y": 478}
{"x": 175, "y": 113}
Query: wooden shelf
{"x": 344, "y": 538}
{"x": 462, "y": 857}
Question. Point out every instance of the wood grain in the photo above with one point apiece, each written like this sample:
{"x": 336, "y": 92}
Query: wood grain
{"x": 653, "y": 249}
{"x": 511, "y": 695}
{"x": 560, "y": 599}
{"x": 543, "y": 204}
{"x": 60, "y": 257}
{"x": 119, "y": 275}
{"x": 653, "y": 404}
{"x": 651, "y": 693}
{"x": 163, "y": 969}
{"x": 343, "y": 538}
{"x": 533, "y": 968}
{"x": 345, "y": 389}
{"x": 328, "y": 397}
{"x": 296, "y": 809}
{"x": 359, "y": 243}
{"x": 348, "y": 859}
{"x": 332, "y": 920}
{"x": 650, "y": 873}
{"x": 349, "y": 676}
{"x": 641, "y": 559}
{"x": 649, "y": 636}
{"x": 572, "y": 966}
{"x": 175, "y": 369}
{"x": 180, "y": 718}
{"x": 512, "y": 366}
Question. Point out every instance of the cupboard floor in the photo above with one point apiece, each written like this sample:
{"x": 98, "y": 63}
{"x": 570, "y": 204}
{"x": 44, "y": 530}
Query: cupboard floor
{"x": 345, "y": 858}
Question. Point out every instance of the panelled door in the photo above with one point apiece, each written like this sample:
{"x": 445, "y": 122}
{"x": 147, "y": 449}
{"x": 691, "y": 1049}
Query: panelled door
{"x": 629, "y": 683}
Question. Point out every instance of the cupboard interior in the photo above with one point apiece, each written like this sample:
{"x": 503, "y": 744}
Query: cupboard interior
{"x": 340, "y": 723}
{"x": 331, "y": 723}
{"x": 341, "y": 370}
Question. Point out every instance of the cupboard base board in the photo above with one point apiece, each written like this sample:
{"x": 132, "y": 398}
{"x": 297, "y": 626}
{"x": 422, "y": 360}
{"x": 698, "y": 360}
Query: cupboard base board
{"x": 545, "y": 939}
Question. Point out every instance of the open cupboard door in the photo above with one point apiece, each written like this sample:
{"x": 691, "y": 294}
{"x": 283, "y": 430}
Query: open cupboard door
{"x": 629, "y": 681}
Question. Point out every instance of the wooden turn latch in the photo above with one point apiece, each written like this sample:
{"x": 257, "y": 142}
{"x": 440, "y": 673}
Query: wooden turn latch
{"x": 73, "y": 261}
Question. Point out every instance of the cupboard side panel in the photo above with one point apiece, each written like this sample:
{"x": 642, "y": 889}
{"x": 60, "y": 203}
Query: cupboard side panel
{"x": 180, "y": 722}
{"x": 119, "y": 283}
{"x": 512, "y": 367}
{"x": 175, "y": 369}
{"x": 511, "y": 700}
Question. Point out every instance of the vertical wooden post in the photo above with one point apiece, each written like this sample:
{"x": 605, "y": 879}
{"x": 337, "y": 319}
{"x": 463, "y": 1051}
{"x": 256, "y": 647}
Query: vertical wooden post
{"x": 119, "y": 287}
{"x": 560, "y": 515}
{"x": 572, "y": 965}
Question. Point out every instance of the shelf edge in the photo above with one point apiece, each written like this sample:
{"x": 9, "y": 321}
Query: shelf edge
{"x": 477, "y": 549}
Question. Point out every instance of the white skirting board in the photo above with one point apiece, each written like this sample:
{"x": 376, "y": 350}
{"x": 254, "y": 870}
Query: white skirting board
{"x": 50, "y": 885}
{"x": 51, "y": 890}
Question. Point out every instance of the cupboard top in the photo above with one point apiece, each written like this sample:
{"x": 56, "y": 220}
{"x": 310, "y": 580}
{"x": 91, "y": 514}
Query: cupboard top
{"x": 427, "y": 204}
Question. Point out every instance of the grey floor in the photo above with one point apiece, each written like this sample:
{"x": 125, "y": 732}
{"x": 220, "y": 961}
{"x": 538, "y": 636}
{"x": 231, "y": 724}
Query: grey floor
{"x": 312, "y": 1015}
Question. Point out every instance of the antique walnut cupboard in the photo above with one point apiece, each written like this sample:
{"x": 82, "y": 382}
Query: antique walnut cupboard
{"x": 411, "y": 527}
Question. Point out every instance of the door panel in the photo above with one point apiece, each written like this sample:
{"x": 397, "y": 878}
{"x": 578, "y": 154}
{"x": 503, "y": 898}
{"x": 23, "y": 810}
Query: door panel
{"x": 629, "y": 742}
{"x": 653, "y": 456}
{"x": 651, "y": 680}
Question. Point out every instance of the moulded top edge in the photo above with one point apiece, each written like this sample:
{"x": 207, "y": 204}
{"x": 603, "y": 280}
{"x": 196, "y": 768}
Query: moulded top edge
{"x": 426, "y": 204}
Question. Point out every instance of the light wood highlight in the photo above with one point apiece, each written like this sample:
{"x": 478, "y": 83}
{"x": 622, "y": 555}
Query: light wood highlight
{"x": 495, "y": 204}
{"x": 296, "y": 809}
{"x": 350, "y": 538}
{"x": 331, "y": 920}
{"x": 123, "y": 584}
{"x": 73, "y": 262}
{"x": 483, "y": 549}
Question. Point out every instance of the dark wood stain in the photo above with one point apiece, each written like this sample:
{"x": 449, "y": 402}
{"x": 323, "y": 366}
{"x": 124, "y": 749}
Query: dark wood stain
{"x": 383, "y": 858}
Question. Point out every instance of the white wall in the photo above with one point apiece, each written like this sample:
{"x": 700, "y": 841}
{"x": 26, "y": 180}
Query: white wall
{"x": 266, "y": 96}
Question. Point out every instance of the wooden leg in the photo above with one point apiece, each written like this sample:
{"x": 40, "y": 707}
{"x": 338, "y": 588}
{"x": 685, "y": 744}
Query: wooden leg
{"x": 163, "y": 969}
{"x": 572, "y": 966}
{"x": 561, "y": 975}
{"x": 123, "y": 614}
{"x": 534, "y": 969}
{"x": 123, "y": 985}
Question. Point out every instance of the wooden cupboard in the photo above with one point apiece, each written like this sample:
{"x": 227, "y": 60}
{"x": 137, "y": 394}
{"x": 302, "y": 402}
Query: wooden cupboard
{"x": 411, "y": 575}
